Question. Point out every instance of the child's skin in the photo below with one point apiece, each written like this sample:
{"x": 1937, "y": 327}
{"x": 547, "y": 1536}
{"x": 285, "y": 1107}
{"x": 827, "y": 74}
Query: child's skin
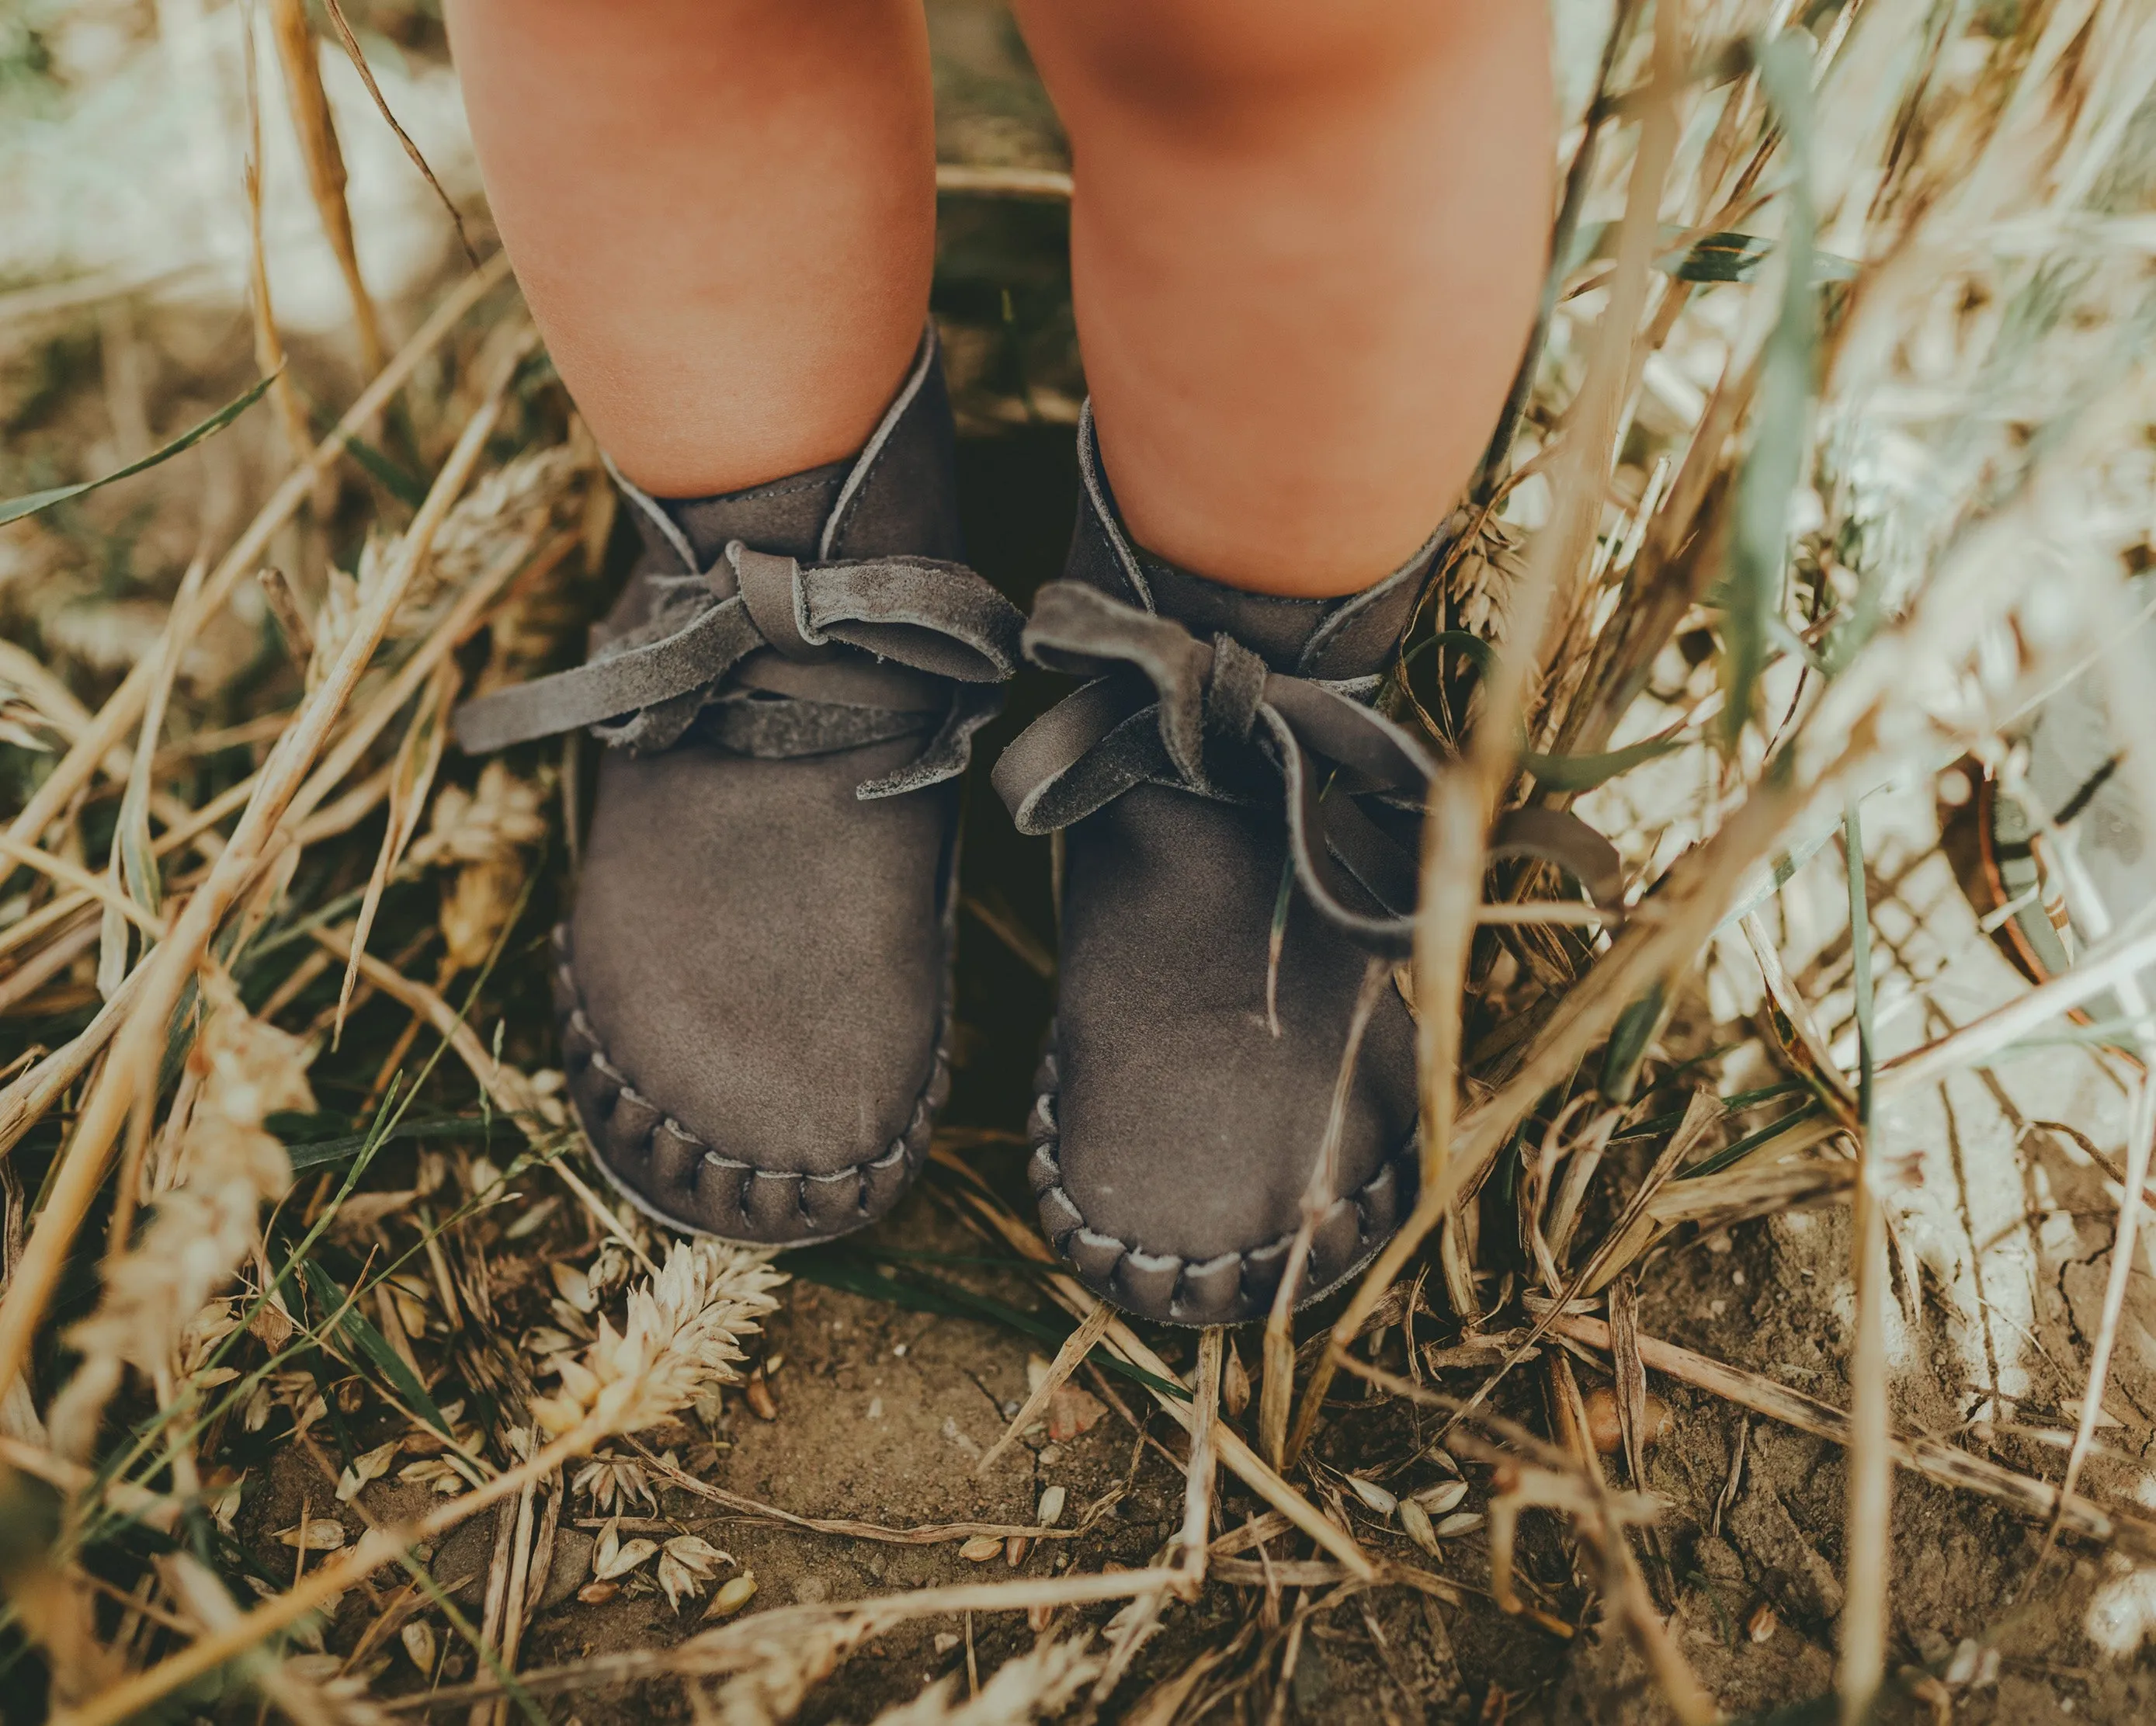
{"x": 1308, "y": 239}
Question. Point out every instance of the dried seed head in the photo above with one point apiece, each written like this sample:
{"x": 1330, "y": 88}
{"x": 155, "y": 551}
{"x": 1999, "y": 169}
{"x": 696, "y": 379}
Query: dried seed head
{"x": 373, "y": 1465}
{"x": 570, "y": 1283}
{"x": 608, "y": 1479}
{"x": 508, "y": 508}
{"x": 321, "y": 1534}
{"x": 520, "y": 494}
{"x": 686, "y": 1563}
{"x": 681, "y": 1333}
{"x": 227, "y": 1165}
{"x": 1483, "y": 576}
{"x": 483, "y": 833}
{"x": 486, "y": 825}
{"x": 614, "y": 1558}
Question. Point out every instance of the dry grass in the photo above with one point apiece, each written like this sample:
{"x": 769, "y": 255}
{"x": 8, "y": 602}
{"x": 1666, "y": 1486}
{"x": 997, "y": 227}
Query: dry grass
{"x": 1833, "y": 461}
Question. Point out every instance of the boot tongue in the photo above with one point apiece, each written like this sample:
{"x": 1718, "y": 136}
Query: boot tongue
{"x": 1354, "y": 636}
{"x": 785, "y": 517}
{"x": 1268, "y": 624}
{"x": 1359, "y": 632}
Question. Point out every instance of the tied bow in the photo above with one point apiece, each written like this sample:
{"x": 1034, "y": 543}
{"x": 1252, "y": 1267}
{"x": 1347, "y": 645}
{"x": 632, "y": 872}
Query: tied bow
{"x": 1214, "y": 719}
{"x": 893, "y": 630}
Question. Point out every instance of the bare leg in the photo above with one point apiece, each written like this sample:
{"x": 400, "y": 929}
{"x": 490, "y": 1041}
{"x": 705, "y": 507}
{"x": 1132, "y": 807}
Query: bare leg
{"x": 722, "y": 213}
{"x": 1307, "y": 245}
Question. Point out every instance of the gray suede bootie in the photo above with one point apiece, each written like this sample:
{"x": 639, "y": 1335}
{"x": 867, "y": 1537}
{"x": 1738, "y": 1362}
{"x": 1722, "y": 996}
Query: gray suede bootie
{"x": 754, "y": 985}
{"x": 1224, "y": 769}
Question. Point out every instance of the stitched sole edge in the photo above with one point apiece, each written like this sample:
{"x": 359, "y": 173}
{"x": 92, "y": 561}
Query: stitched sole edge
{"x": 1235, "y": 1288}
{"x": 827, "y": 1206}
{"x": 677, "y": 1157}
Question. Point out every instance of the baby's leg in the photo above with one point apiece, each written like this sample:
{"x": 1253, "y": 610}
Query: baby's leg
{"x": 722, "y": 213}
{"x": 1307, "y": 243}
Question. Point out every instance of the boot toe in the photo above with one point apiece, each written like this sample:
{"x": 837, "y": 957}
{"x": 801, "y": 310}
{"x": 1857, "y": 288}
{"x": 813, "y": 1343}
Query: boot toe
{"x": 766, "y": 1068}
{"x": 1183, "y": 1206}
{"x": 1180, "y": 1121}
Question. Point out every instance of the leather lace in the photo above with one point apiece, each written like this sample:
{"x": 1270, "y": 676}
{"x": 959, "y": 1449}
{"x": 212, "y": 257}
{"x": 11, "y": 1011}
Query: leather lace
{"x": 904, "y": 645}
{"x": 1212, "y": 718}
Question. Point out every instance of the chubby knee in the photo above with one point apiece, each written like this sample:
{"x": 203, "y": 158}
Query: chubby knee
{"x": 1229, "y": 53}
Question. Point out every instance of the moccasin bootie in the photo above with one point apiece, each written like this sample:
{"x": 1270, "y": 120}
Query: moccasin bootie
{"x": 753, "y": 986}
{"x": 1223, "y": 769}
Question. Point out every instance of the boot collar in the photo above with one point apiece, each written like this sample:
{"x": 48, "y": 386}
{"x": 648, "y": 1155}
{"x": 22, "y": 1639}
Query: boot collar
{"x": 893, "y": 498}
{"x": 1351, "y": 637}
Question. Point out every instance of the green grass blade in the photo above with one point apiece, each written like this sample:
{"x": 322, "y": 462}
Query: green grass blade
{"x": 1716, "y": 1161}
{"x": 369, "y": 1342}
{"x": 916, "y": 1292}
{"x": 1584, "y": 772}
{"x": 13, "y": 509}
{"x": 1773, "y": 466}
{"x": 1630, "y": 1039}
{"x": 1557, "y": 772}
{"x": 1860, "y": 962}
{"x": 407, "y": 489}
{"x": 313, "y": 1153}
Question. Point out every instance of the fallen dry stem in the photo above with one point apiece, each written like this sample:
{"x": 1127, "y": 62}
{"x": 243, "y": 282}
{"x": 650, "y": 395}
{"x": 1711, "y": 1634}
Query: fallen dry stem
{"x": 375, "y": 1548}
{"x": 23, "y": 1103}
{"x": 926, "y": 1534}
{"x": 2102, "y": 967}
{"x": 1076, "y": 1348}
{"x": 739, "y": 1645}
{"x": 74, "y": 876}
{"x": 316, "y": 130}
{"x": 140, "y": 1040}
{"x": 1703, "y": 1111}
{"x": 2123, "y": 1261}
{"x": 1240, "y": 1460}
{"x": 1190, "y": 1544}
{"x": 1937, "y": 1461}
{"x": 118, "y": 715}
{"x": 1596, "y": 1512}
